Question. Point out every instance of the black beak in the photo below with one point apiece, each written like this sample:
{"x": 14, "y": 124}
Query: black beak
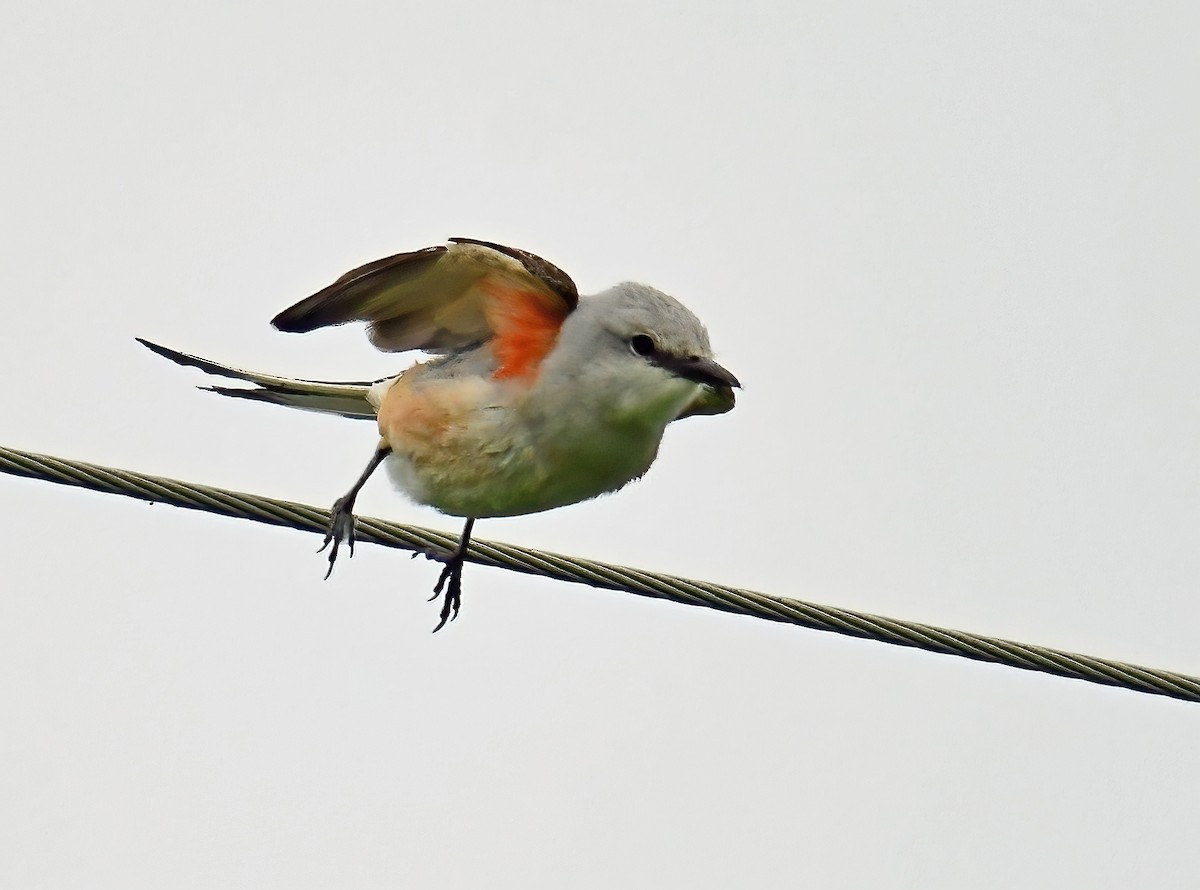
{"x": 698, "y": 370}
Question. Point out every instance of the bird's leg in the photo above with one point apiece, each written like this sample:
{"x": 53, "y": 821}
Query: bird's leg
{"x": 451, "y": 576}
{"x": 341, "y": 523}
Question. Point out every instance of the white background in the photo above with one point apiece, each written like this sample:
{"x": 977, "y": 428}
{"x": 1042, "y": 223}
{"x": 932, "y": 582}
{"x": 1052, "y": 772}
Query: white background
{"x": 950, "y": 249}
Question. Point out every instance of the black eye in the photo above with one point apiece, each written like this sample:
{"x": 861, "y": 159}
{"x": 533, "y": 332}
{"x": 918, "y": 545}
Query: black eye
{"x": 642, "y": 344}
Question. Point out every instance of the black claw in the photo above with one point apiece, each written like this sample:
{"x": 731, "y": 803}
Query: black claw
{"x": 341, "y": 519}
{"x": 332, "y": 558}
{"x": 453, "y": 598}
{"x": 341, "y": 528}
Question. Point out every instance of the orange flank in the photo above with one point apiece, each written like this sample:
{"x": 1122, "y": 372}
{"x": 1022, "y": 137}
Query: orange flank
{"x": 436, "y": 434}
{"x": 412, "y": 417}
{"x": 525, "y": 322}
{"x": 416, "y": 415}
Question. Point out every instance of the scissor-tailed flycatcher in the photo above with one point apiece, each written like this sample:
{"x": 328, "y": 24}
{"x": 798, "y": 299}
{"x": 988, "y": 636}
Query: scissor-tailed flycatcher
{"x": 538, "y": 398}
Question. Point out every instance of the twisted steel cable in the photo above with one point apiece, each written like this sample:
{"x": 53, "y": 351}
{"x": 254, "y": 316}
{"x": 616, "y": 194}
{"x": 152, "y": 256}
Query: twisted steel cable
{"x": 566, "y": 568}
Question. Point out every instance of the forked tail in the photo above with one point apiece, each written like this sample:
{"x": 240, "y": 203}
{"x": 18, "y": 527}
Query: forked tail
{"x": 346, "y": 399}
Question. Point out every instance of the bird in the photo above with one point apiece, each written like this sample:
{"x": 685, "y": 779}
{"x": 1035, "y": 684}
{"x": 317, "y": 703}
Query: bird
{"x": 533, "y": 397}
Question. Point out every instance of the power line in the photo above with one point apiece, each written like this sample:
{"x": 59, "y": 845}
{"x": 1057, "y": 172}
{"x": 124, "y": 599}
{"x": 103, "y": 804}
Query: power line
{"x": 597, "y": 574}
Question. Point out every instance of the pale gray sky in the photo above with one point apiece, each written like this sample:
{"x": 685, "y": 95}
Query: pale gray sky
{"x": 951, "y": 250}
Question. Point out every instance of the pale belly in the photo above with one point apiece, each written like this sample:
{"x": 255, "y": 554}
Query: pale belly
{"x": 455, "y": 449}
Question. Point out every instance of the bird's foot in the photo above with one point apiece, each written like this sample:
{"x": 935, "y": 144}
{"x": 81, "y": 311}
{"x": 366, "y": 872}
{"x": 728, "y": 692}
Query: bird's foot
{"x": 341, "y": 528}
{"x": 450, "y": 579}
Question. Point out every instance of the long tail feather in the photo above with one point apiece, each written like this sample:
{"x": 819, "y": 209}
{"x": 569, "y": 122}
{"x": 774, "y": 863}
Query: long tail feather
{"x": 345, "y": 399}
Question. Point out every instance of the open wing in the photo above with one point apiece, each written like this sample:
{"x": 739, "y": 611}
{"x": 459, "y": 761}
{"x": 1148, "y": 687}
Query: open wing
{"x": 449, "y": 297}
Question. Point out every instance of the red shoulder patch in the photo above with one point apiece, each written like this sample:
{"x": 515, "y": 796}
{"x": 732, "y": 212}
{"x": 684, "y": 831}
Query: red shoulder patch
{"x": 525, "y": 322}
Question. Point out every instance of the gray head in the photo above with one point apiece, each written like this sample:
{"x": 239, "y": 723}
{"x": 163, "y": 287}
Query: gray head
{"x": 638, "y": 319}
{"x": 639, "y": 347}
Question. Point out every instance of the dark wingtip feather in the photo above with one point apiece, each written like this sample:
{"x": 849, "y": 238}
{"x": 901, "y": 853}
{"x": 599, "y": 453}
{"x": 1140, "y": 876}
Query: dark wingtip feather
{"x": 341, "y": 301}
{"x": 300, "y": 318}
